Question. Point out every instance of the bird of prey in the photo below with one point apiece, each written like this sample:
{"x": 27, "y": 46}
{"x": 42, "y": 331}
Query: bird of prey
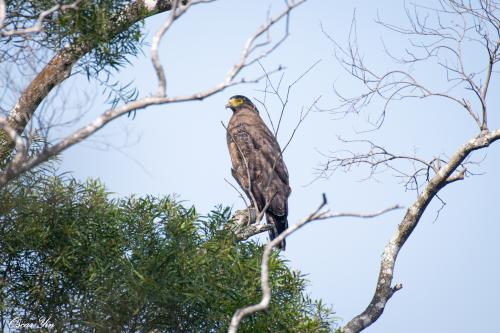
{"x": 257, "y": 163}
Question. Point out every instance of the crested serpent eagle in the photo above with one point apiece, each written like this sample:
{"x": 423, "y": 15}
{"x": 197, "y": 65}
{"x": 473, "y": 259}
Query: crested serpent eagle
{"x": 257, "y": 163}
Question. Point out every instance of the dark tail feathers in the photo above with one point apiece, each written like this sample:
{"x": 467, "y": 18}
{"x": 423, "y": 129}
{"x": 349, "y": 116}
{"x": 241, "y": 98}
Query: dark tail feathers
{"x": 280, "y": 224}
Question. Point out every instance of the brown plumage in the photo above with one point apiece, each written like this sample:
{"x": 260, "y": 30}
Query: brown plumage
{"x": 258, "y": 165}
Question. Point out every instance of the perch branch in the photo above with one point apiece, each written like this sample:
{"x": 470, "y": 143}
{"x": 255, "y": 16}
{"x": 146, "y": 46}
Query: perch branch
{"x": 318, "y": 214}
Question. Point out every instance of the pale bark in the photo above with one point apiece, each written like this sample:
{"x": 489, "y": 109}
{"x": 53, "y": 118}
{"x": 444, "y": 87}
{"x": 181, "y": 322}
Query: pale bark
{"x": 436, "y": 35}
{"x": 319, "y": 214}
{"x": 444, "y": 176}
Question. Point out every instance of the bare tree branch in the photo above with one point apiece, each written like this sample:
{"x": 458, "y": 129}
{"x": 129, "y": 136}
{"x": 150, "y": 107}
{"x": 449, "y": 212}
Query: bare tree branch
{"x": 176, "y": 12}
{"x": 441, "y": 39}
{"x": 155, "y": 59}
{"x": 276, "y": 92}
{"x": 244, "y": 224}
{"x": 438, "y": 37}
{"x": 385, "y": 290}
{"x": 37, "y": 27}
{"x": 378, "y": 159}
{"x": 251, "y": 46}
{"x": 318, "y": 214}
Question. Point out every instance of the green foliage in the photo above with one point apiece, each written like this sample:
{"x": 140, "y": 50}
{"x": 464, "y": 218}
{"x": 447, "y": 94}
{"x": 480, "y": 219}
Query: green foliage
{"x": 96, "y": 26}
{"x": 90, "y": 263}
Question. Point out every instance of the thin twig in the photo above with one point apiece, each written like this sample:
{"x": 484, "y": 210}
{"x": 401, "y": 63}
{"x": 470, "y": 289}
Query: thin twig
{"x": 37, "y": 27}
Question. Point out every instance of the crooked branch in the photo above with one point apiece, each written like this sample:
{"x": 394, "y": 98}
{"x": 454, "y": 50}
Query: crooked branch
{"x": 384, "y": 289}
{"x": 319, "y": 214}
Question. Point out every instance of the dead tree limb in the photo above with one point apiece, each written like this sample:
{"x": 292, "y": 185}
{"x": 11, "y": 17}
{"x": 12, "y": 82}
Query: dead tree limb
{"x": 319, "y": 214}
{"x": 437, "y": 36}
{"x": 385, "y": 290}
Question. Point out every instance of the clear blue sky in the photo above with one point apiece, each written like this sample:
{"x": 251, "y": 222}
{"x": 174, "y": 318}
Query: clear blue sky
{"x": 449, "y": 268}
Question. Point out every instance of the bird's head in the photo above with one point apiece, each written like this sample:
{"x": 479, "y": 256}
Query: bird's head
{"x": 237, "y": 102}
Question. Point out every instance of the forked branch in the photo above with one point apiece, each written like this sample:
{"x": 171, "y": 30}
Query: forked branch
{"x": 384, "y": 289}
{"x": 319, "y": 214}
{"x": 436, "y": 36}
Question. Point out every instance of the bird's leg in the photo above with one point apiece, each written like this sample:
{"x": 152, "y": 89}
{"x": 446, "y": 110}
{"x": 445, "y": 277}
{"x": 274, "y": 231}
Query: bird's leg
{"x": 263, "y": 211}
{"x": 252, "y": 215}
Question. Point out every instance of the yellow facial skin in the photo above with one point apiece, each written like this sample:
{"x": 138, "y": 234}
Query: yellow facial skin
{"x": 235, "y": 102}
